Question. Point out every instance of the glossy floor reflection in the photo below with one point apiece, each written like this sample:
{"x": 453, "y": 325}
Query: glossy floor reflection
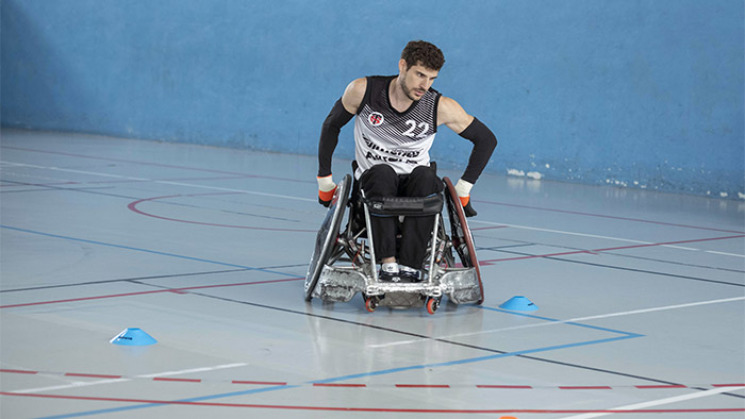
{"x": 641, "y": 296}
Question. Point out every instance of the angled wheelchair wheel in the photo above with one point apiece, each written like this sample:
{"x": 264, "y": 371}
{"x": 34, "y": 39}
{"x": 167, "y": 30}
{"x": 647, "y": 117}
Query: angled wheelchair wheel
{"x": 326, "y": 240}
{"x": 460, "y": 234}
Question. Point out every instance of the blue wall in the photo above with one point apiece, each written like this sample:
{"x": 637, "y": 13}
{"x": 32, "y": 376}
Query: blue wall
{"x": 642, "y": 93}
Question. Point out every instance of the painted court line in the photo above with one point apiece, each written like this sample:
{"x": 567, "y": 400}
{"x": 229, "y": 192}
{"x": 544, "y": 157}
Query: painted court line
{"x": 554, "y": 322}
{"x": 166, "y": 378}
{"x": 200, "y": 400}
{"x": 133, "y": 206}
{"x": 161, "y": 375}
{"x": 138, "y": 249}
{"x": 144, "y": 163}
{"x": 549, "y": 230}
{"x": 160, "y": 291}
{"x": 607, "y": 249}
{"x": 162, "y": 182}
{"x": 612, "y": 217}
{"x": 348, "y": 409}
{"x": 725, "y": 253}
{"x": 660, "y": 402}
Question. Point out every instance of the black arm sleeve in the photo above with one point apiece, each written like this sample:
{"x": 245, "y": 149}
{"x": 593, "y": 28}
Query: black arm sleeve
{"x": 484, "y": 143}
{"x": 337, "y": 118}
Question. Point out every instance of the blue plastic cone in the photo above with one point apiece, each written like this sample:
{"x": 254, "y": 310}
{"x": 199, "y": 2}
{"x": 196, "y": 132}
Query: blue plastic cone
{"x": 133, "y": 336}
{"x": 519, "y": 303}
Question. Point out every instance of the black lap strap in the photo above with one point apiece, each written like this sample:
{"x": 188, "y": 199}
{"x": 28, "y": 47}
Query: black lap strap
{"x": 411, "y": 207}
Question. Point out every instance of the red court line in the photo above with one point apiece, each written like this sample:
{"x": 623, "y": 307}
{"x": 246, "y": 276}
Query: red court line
{"x": 608, "y": 249}
{"x": 613, "y": 217}
{"x": 131, "y": 294}
{"x": 107, "y": 182}
{"x": 19, "y": 371}
{"x": 133, "y": 207}
{"x": 360, "y": 385}
{"x": 586, "y": 214}
{"x": 365, "y": 409}
{"x": 170, "y": 166}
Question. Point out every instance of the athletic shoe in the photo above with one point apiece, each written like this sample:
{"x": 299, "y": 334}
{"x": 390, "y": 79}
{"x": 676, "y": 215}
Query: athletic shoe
{"x": 408, "y": 274}
{"x": 386, "y": 276}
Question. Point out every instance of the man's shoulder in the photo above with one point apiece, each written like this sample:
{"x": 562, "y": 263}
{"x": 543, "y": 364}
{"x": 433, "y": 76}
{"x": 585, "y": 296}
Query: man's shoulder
{"x": 354, "y": 94}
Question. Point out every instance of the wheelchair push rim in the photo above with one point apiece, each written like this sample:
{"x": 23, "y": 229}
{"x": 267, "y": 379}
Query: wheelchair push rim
{"x": 460, "y": 234}
{"x": 327, "y": 235}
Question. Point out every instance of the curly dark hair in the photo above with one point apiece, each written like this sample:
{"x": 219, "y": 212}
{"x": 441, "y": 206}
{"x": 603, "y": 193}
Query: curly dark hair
{"x": 423, "y": 53}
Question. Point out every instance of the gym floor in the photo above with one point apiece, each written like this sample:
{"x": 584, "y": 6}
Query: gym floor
{"x": 640, "y": 296}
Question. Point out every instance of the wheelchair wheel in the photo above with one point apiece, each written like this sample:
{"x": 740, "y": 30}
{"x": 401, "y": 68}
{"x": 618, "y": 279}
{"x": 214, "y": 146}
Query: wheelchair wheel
{"x": 327, "y": 235}
{"x": 460, "y": 234}
{"x": 432, "y": 305}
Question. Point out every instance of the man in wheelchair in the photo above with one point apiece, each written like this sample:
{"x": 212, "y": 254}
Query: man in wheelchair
{"x": 396, "y": 121}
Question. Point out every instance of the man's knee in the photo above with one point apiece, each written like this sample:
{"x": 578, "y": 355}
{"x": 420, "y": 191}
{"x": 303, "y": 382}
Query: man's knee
{"x": 379, "y": 180}
{"x": 423, "y": 181}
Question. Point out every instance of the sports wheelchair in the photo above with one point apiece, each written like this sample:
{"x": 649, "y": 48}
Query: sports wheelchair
{"x": 344, "y": 263}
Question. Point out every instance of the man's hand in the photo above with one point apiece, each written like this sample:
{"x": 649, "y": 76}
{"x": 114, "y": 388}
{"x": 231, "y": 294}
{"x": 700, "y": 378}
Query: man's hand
{"x": 326, "y": 189}
{"x": 463, "y": 189}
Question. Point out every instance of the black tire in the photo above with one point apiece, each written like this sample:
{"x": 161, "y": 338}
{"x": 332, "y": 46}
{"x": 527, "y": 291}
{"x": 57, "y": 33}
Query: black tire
{"x": 460, "y": 234}
{"x": 327, "y": 235}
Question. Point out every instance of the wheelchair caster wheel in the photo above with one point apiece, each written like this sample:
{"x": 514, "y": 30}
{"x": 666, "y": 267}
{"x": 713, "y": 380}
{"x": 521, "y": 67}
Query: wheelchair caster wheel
{"x": 371, "y": 303}
{"x": 432, "y": 305}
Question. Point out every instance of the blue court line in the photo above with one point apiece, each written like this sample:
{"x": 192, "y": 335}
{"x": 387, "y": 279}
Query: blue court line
{"x": 137, "y": 249}
{"x": 477, "y": 359}
{"x": 624, "y": 336}
{"x": 143, "y": 406}
{"x": 533, "y": 316}
{"x": 348, "y": 377}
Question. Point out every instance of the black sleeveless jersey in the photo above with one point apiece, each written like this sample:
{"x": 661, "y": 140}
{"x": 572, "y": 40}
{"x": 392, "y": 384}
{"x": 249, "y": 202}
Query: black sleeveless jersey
{"x": 400, "y": 139}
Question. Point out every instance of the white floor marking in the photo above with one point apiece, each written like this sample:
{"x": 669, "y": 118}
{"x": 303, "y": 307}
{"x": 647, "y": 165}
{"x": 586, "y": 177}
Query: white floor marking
{"x": 580, "y": 319}
{"x": 652, "y": 403}
{"x": 162, "y": 182}
{"x": 595, "y": 236}
{"x": 548, "y": 230}
{"x": 75, "y": 384}
{"x": 650, "y": 310}
{"x": 295, "y": 198}
{"x": 725, "y": 254}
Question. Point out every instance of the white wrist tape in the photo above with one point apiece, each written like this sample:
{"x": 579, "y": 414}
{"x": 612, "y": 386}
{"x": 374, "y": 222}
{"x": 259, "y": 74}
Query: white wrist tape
{"x": 463, "y": 188}
{"x": 325, "y": 183}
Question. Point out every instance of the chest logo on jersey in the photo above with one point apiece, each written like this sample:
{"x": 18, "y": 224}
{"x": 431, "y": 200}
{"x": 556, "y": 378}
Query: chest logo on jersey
{"x": 375, "y": 119}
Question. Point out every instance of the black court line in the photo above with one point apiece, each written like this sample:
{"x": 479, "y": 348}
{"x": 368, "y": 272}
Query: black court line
{"x": 154, "y": 164}
{"x": 669, "y": 262}
{"x": 610, "y": 217}
{"x": 161, "y": 201}
{"x": 133, "y": 280}
{"x": 625, "y": 268}
{"x": 440, "y": 340}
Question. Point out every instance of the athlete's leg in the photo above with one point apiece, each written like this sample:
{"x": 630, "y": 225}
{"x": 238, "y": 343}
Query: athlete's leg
{"x": 416, "y": 231}
{"x": 382, "y": 181}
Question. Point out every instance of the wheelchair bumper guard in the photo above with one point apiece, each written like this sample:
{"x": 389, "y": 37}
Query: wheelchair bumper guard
{"x": 462, "y": 285}
{"x": 341, "y": 283}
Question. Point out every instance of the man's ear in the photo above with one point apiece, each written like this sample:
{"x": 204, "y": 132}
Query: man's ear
{"x": 402, "y": 66}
